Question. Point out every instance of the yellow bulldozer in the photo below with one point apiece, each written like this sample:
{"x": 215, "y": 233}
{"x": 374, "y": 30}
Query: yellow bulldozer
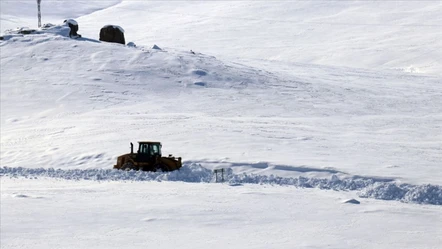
{"x": 147, "y": 158}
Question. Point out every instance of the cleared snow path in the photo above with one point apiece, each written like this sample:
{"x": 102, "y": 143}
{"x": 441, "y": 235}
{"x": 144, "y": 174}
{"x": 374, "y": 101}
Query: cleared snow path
{"x": 193, "y": 173}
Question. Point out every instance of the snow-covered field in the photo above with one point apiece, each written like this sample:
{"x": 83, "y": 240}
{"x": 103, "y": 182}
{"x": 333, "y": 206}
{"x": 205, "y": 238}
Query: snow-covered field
{"x": 90, "y": 214}
{"x": 307, "y": 103}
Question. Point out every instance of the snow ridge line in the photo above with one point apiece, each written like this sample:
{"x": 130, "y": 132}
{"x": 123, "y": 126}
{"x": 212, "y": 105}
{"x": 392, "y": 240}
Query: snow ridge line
{"x": 194, "y": 173}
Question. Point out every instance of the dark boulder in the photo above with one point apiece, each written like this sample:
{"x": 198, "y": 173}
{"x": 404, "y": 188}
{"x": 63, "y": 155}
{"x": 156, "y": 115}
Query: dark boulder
{"x": 112, "y": 33}
{"x": 73, "y": 25}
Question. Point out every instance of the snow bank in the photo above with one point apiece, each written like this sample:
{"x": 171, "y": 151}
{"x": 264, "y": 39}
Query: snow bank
{"x": 424, "y": 194}
{"x": 189, "y": 173}
{"x": 48, "y": 28}
{"x": 194, "y": 173}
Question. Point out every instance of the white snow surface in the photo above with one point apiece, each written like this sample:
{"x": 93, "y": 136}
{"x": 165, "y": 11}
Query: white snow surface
{"x": 307, "y": 104}
{"x": 400, "y": 35}
{"x": 56, "y": 213}
{"x": 97, "y": 97}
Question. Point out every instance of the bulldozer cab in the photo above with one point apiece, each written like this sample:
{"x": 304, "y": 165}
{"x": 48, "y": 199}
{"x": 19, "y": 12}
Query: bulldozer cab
{"x": 148, "y": 151}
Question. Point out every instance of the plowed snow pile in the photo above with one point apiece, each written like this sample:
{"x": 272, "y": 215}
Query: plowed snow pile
{"x": 368, "y": 188}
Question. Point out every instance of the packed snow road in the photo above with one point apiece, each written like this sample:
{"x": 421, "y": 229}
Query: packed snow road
{"x": 58, "y": 213}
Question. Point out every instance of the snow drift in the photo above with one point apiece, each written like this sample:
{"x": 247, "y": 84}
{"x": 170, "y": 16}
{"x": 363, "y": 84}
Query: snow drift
{"x": 194, "y": 173}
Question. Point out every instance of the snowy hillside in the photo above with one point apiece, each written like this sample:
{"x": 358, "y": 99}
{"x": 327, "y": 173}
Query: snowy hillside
{"x": 78, "y": 104}
{"x": 306, "y": 103}
{"x": 399, "y": 35}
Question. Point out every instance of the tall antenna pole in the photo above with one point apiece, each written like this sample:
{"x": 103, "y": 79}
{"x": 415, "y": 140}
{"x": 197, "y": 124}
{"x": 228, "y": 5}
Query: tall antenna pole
{"x": 39, "y": 13}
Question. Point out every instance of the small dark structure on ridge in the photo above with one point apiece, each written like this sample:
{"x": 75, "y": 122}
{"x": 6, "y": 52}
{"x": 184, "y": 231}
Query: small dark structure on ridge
{"x": 73, "y": 25}
{"x": 112, "y": 33}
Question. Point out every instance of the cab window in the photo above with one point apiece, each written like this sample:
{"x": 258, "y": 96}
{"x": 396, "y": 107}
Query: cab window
{"x": 144, "y": 149}
{"x": 156, "y": 149}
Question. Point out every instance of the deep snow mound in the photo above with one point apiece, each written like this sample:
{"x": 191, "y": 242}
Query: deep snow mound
{"x": 195, "y": 173}
{"x": 367, "y": 187}
{"x": 97, "y": 75}
{"x": 423, "y": 194}
{"x": 46, "y": 30}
